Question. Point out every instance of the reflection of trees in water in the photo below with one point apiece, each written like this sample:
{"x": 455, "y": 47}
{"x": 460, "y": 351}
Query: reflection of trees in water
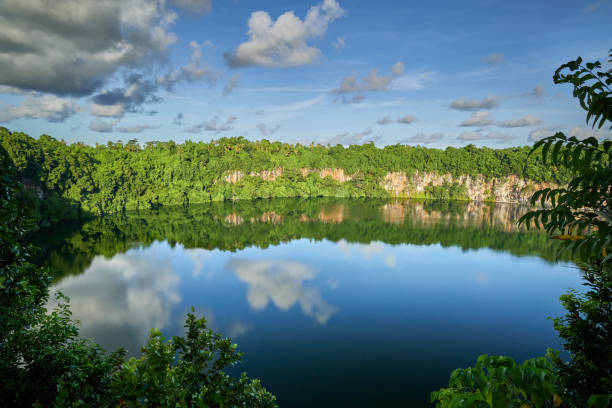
{"x": 466, "y": 214}
{"x": 282, "y": 283}
{"x": 237, "y": 225}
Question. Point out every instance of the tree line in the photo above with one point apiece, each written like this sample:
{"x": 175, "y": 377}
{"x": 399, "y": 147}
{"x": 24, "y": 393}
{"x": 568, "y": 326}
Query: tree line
{"x": 77, "y": 179}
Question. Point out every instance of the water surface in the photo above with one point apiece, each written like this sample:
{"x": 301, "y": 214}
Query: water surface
{"x": 335, "y": 303}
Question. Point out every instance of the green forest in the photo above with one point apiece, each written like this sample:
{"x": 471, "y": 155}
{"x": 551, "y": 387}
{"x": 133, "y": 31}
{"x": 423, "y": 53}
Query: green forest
{"x": 77, "y": 179}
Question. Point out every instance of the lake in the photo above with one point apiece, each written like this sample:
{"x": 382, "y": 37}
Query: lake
{"x": 334, "y": 302}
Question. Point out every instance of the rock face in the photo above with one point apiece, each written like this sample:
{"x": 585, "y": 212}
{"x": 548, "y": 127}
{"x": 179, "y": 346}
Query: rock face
{"x": 512, "y": 189}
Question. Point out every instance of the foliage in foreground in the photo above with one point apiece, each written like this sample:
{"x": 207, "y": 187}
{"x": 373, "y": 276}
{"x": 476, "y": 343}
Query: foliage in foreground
{"x": 44, "y": 363}
{"x": 581, "y": 213}
{"x": 497, "y": 381}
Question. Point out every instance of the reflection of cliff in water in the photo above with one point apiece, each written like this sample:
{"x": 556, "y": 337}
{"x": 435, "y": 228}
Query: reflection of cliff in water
{"x": 236, "y": 225}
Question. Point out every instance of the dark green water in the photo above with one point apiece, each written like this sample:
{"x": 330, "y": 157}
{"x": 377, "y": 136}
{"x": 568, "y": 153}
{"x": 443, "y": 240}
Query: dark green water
{"x": 335, "y": 303}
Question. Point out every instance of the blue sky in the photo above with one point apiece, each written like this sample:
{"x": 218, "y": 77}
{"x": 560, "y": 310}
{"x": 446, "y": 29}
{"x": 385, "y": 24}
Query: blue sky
{"x": 435, "y": 74}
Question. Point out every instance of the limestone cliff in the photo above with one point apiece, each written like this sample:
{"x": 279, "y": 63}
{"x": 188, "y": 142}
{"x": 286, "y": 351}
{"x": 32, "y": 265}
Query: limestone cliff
{"x": 512, "y": 189}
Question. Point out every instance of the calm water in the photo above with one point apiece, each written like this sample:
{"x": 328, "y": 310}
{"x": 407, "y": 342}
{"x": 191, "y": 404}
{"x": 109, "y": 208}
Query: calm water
{"x": 335, "y": 303}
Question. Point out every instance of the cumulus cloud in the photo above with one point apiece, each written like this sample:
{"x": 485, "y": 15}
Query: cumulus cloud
{"x": 213, "y": 125}
{"x": 284, "y": 42}
{"x": 480, "y": 118}
{"x": 49, "y": 107}
{"x": 494, "y": 59}
{"x": 232, "y": 83}
{"x": 73, "y": 47}
{"x": 526, "y": 121}
{"x": 195, "y": 6}
{"x": 422, "y": 138}
{"x": 267, "y": 131}
{"x": 373, "y": 82}
{"x": 110, "y": 111}
{"x": 463, "y": 104}
{"x": 282, "y": 283}
{"x": 339, "y": 43}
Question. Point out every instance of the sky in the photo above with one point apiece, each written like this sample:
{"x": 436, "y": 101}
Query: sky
{"x": 436, "y": 74}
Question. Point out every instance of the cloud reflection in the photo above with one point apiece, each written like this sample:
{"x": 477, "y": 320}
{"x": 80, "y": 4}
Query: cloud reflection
{"x": 281, "y": 282}
{"x": 119, "y": 300}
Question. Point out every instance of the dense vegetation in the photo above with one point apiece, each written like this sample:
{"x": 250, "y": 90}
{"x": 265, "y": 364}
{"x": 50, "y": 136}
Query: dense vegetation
{"x": 116, "y": 177}
{"x": 581, "y": 214}
{"x": 43, "y": 363}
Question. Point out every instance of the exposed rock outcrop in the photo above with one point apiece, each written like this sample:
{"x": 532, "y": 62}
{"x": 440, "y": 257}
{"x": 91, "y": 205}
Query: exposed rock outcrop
{"x": 512, "y": 189}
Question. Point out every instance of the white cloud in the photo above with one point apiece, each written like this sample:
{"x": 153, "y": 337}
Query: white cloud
{"x": 480, "y": 118}
{"x": 282, "y": 283}
{"x": 284, "y": 42}
{"x": 372, "y": 82}
{"x": 494, "y": 59}
{"x": 49, "y": 107}
{"x": 111, "y": 111}
{"x": 339, "y": 43}
{"x": 526, "y": 121}
{"x": 489, "y": 102}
